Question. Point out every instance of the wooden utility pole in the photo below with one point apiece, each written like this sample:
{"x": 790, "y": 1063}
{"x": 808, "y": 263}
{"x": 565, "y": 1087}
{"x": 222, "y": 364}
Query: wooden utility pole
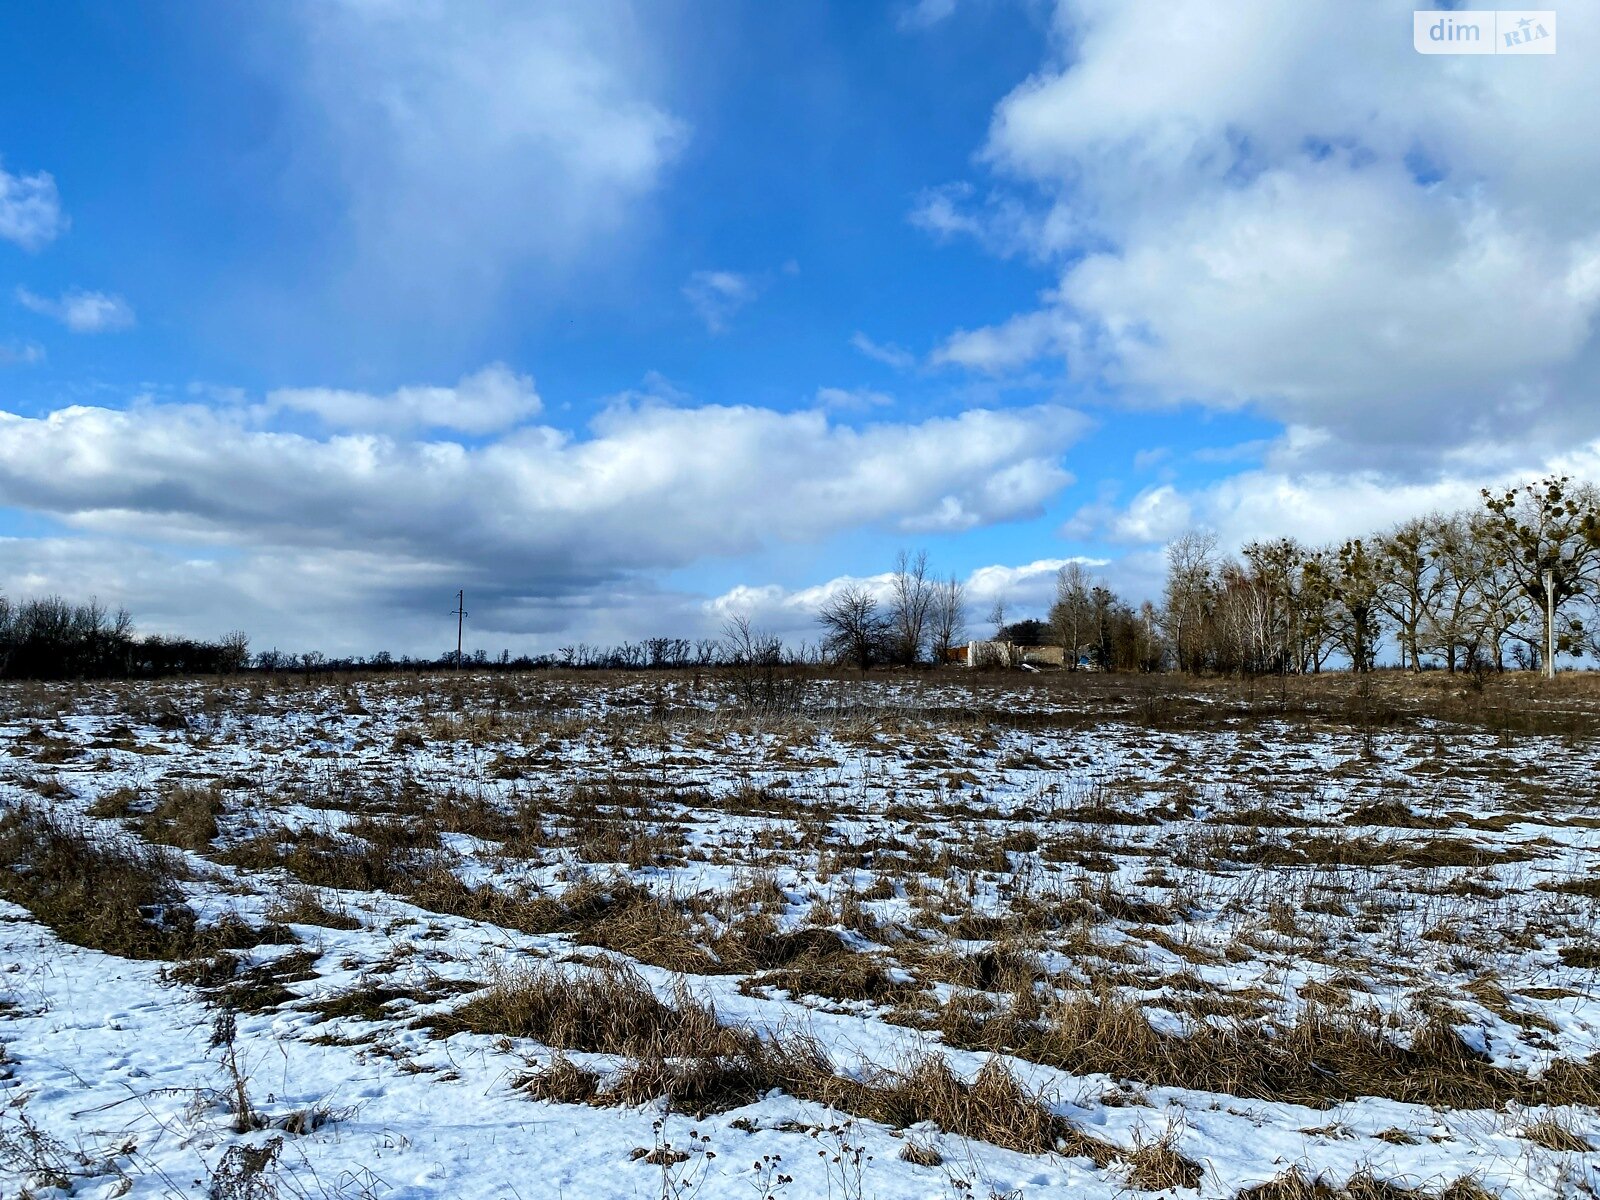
{"x": 460, "y": 611}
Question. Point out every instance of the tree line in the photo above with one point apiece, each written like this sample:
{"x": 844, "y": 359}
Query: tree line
{"x": 51, "y": 638}
{"x": 923, "y": 617}
{"x": 1510, "y": 581}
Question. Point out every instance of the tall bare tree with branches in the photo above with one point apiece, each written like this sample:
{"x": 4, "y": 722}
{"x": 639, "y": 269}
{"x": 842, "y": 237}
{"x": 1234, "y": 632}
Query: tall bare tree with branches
{"x": 854, "y": 627}
{"x": 1191, "y": 579}
{"x": 947, "y": 616}
{"x": 910, "y": 602}
{"x": 1072, "y": 616}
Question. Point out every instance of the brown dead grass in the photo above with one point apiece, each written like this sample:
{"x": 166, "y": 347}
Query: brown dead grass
{"x": 608, "y": 1010}
{"x": 1324, "y": 1058}
{"x": 682, "y": 1050}
{"x": 1295, "y": 1184}
{"x": 1157, "y": 1166}
{"x": 1553, "y": 1133}
{"x": 123, "y": 900}
{"x": 224, "y": 980}
{"x": 307, "y": 906}
{"x": 185, "y": 817}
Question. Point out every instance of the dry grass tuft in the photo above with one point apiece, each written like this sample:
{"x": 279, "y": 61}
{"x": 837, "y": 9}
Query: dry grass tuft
{"x": 1296, "y": 1185}
{"x": 324, "y": 860}
{"x": 738, "y": 1070}
{"x": 1323, "y": 1058}
{"x": 1588, "y": 887}
{"x": 224, "y": 981}
{"x": 920, "y": 1154}
{"x": 404, "y": 858}
{"x": 682, "y": 1051}
{"x": 560, "y": 1081}
{"x": 370, "y": 1000}
{"x": 616, "y": 914}
{"x": 306, "y": 906}
{"x": 185, "y": 817}
{"x": 995, "y": 1107}
{"x": 1487, "y": 992}
{"x": 1551, "y": 1132}
{"x": 1585, "y": 957}
{"x": 607, "y": 1010}
{"x": 93, "y": 892}
{"x": 117, "y": 803}
{"x": 1158, "y": 1166}
{"x": 808, "y": 962}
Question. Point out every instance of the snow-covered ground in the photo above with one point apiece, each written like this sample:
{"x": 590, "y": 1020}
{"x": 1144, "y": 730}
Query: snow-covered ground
{"x": 978, "y": 846}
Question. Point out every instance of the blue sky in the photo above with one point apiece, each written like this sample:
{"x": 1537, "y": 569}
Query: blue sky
{"x": 628, "y": 316}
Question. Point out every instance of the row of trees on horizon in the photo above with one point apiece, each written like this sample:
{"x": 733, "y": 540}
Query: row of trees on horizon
{"x": 51, "y": 638}
{"x": 1508, "y": 582}
{"x": 1481, "y": 588}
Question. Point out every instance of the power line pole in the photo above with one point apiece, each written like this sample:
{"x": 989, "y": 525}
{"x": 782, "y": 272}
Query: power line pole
{"x": 460, "y": 611}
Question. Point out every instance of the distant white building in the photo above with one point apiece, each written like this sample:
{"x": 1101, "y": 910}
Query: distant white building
{"x": 993, "y": 654}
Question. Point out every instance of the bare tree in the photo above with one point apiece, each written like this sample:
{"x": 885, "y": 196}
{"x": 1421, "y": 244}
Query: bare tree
{"x": 853, "y": 625}
{"x": 1191, "y": 579}
{"x": 1073, "y": 614}
{"x": 235, "y": 654}
{"x": 1290, "y": 619}
{"x": 1150, "y": 652}
{"x": 1414, "y": 582}
{"x": 1546, "y": 536}
{"x": 755, "y": 660}
{"x": 1241, "y": 626}
{"x": 910, "y": 602}
{"x": 997, "y": 614}
{"x": 1454, "y": 626}
{"x": 947, "y": 617}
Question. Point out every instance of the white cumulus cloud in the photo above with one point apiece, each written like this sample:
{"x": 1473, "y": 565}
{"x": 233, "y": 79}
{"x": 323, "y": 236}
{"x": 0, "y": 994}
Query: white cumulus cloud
{"x": 487, "y": 401}
{"x": 546, "y": 526}
{"x": 1283, "y": 206}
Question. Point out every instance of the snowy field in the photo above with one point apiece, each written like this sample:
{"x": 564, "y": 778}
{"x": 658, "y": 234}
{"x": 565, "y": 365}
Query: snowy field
{"x": 495, "y": 937}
